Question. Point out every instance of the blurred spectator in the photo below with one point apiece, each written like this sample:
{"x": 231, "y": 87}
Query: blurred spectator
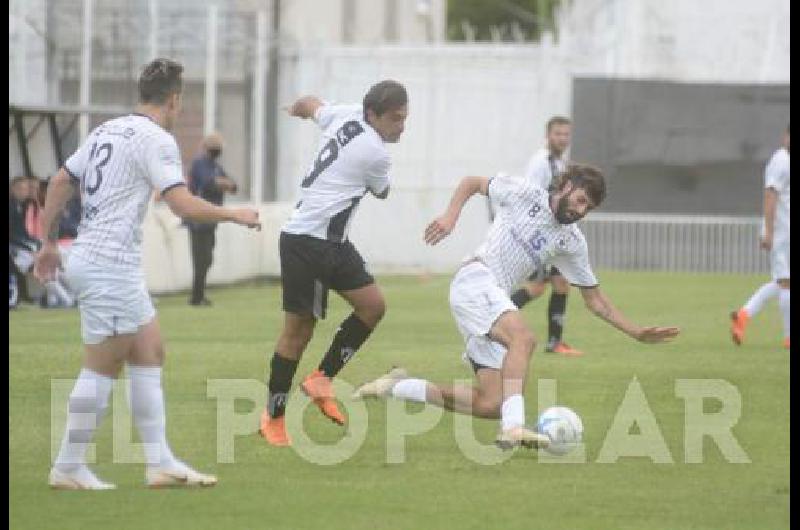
{"x": 208, "y": 180}
{"x": 21, "y": 245}
{"x": 26, "y": 239}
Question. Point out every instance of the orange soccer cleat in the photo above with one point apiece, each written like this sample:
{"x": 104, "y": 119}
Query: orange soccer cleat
{"x": 319, "y": 388}
{"x": 786, "y": 343}
{"x": 565, "y": 349}
{"x": 739, "y": 321}
{"x": 274, "y": 430}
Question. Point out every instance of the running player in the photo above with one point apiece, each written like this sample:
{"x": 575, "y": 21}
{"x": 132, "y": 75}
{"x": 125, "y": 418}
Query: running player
{"x": 775, "y": 239}
{"x": 316, "y": 253}
{"x": 117, "y": 168}
{"x": 533, "y": 227}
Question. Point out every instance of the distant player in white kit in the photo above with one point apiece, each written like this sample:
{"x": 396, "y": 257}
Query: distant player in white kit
{"x": 316, "y": 253}
{"x": 533, "y": 227}
{"x": 542, "y": 170}
{"x": 122, "y": 161}
{"x": 775, "y": 239}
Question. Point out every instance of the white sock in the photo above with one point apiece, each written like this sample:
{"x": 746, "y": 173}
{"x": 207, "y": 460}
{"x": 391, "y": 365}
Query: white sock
{"x": 147, "y": 407}
{"x": 87, "y": 405}
{"x": 513, "y": 412}
{"x": 411, "y": 390}
{"x": 784, "y": 304}
{"x": 760, "y": 297}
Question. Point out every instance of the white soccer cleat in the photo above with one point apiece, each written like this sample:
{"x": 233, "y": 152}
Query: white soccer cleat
{"x": 521, "y": 436}
{"x": 80, "y": 479}
{"x": 382, "y": 386}
{"x": 177, "y": 476}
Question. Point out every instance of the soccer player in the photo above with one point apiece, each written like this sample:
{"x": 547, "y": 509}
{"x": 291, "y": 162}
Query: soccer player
{"x": 117, "y": 168}
{"x": 533, "y": 227}
{"x": 775, "y": 239}
{"x": 316, "y": 254}
{"x": 544, "y": 166}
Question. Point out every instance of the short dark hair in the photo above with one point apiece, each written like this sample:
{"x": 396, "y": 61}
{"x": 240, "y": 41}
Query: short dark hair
{"x": 557, "y": 120}
{"x": 584, "y": 176}
{"x": 160, "y": 79}
{"x": 385, "y": 96}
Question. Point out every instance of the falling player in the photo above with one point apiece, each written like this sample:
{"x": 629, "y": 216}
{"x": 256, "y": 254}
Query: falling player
{"x": 533, "y": 227}
{"x": 774, "y": 239}
{"x": 117, "y": 168}
{"x": 316, "y": 253}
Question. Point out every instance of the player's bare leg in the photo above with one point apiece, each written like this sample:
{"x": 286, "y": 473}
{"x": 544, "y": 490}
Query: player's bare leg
{"x": 368, "y": 309}
{"x": 498, "y": 394}
{"x": 292, "y": 342}
{"x": 145, "y": 363}
{"x": 90, "y": 396}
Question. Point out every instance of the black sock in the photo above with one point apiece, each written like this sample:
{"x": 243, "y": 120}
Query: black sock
{"x": 555, "y": 318}
{"x": 521, "y": 297}
{"x": 348, "y": 339}
{"x": 280, "y": 382}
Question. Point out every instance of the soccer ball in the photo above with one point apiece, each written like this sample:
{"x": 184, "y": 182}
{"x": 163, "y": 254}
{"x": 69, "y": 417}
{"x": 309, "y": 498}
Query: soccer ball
{"x": 563, "y": 427}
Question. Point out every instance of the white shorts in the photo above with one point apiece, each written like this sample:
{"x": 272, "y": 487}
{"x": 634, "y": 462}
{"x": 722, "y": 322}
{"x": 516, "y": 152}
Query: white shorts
{"x": 477, "y": 302}
{"x": 112, "y": 300}
{"x": 779, "y": 259}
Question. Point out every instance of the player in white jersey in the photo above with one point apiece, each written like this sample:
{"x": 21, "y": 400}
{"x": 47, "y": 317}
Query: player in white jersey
{"x": 775, "y": 239}
{"x": 544, "y": 166}
{"x": 533, "y": 227}
{"x": 316, "y": 253}
{"x": 117, "y": 168}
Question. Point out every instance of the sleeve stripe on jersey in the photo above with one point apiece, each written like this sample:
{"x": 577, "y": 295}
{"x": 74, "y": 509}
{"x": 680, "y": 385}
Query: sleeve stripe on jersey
{"x": 165, "y": 190}
{"x": 70, "y": 173}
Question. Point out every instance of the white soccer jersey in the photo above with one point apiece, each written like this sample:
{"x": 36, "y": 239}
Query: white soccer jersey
{"x": 525, "y": 235}
{"x": 352, "y": 160}
{"x": 776, "y": 176}
{"x": 118, "y": 167}
{"x": 543, "y": 167}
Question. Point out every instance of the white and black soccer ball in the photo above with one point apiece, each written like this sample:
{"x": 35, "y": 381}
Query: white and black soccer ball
{"x": 563, "y": 427}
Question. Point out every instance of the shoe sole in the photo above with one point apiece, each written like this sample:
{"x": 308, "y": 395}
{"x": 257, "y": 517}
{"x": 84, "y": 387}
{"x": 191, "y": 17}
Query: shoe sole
{"x": 507, "y": 445}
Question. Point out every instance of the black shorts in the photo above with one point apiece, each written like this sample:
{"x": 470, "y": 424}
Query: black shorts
{"x": 544, "y": 273}
{"x": 310, "y": 266}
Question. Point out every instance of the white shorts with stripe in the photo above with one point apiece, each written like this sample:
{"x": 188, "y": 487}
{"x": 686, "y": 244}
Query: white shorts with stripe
{"x": 112, "y": 300}
{"x": 476, "y": 302}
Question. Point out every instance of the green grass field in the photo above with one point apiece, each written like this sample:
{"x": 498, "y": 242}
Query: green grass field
{"x": 437, "y": 486}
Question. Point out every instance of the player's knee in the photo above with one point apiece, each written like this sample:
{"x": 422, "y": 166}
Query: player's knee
{"x": 488, "y": 407}
{"x": 525, "y": 339}
{"x": 372, "y": 313}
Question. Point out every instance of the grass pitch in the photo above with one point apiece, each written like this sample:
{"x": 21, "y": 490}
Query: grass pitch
{"x": 436, "y": 486}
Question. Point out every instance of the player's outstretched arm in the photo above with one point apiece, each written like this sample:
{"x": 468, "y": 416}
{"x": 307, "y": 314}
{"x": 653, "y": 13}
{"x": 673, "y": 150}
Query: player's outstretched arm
{"x": 441, "y": 227}
{"x": 59, "y": 191}
{"x": 187, "y": 206}
{"x": 305, "y": 107}
{"x": 600, "y": 305}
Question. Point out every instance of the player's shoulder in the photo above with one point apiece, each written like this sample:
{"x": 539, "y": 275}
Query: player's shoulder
{"x": 780, "y": 157}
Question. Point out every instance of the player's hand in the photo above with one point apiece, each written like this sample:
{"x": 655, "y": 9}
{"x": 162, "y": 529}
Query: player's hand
{"x": 247, "y": 217}
{"x": 766, "y": 242}
{"x": 439, "y": 229}
{"x": 47, "y": 262}
{"x": 654, "y": 334}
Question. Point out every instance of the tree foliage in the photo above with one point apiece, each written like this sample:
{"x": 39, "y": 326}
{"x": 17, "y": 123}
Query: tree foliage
{"x": 500, "y": 20}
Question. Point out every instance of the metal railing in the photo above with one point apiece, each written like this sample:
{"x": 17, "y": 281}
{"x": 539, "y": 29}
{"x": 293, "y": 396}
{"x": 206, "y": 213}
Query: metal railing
{"x": 675, "y": 243}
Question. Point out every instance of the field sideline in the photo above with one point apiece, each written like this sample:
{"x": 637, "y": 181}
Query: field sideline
{"x": 437, "y": 486}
